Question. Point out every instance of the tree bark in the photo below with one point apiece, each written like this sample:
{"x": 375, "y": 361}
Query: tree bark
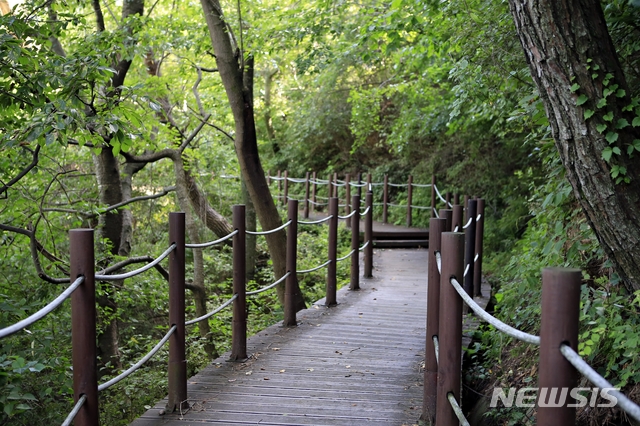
{"x": 566, "y": 43}
{"x": 241, "y": 102}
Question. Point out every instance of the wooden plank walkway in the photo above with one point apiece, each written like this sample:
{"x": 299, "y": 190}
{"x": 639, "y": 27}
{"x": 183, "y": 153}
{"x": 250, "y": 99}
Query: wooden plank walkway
{"x": 354, "y": 364}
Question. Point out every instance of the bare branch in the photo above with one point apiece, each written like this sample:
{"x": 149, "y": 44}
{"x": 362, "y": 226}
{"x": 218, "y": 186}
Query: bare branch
{"x": 23, "y": 172}
{"x": 193, "y": 134}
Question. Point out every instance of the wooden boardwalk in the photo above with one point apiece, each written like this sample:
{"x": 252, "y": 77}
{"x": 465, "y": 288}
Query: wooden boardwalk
{"x": 358, "y": 363}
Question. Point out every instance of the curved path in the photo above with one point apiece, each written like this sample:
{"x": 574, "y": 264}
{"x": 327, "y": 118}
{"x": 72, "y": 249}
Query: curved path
{"x": 358, "y": 363}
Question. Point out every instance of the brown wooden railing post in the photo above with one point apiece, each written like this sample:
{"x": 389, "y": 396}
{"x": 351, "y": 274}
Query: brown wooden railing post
{"x": 456, "y": 198}
{"x": 83, "y": 326}
{"x": 409, "y": 199}
{"x": 239, "y": 322}
{"x": 456, "y": 218}
{"x": 446, "y": 214}
{"x": 330, "y": 186}
{"x": 359, "y": 185}
{"x": 433, "y": 195}
{"x": 466, "y": 208}
{"x": 279, "y": 175}
{"x": 450, "y": 328}
{"x": 336, "y": 188}
{"x": 347, "y": 209}
{"x": 313, "y": 192}
{"x": 355, "y": 244}
{"x": 385, "y": 199}
{"x": 369, "y": 187}
{"x": 447, "y": 198}
{"x": 285, "y": 198}
{"x": 477, "y": 272}
{"x": 177, "y": 399}
{"x": 470, "y": 246}
{"x": 292, "y": 253}
{"x": 559, "y": 325}
{"x": 368, "y": 236}
{"x": 306, "y": 196}
{"x": 436, "y": 228}
{"x": 333, "y": 253}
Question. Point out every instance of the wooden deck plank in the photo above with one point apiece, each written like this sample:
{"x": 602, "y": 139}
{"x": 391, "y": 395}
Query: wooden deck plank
{"x": 354, "y": 364}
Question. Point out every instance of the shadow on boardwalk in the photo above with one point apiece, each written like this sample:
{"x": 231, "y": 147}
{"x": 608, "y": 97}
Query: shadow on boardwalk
{"x": 354, "y": 364}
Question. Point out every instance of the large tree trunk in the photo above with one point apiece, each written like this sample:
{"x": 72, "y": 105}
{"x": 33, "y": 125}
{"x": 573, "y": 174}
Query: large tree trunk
{"x": 241, "y": 102}
{"x": 565, "y": 42}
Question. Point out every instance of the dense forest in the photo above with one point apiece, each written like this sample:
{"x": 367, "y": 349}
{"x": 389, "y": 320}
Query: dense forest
{"x": 115, "y": 113}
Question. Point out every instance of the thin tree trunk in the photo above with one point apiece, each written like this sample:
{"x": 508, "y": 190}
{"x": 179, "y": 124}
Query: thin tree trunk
{"x": 198, "y": 288}
{"x": 241, "y": 102}
{"x": 570, "y": 53}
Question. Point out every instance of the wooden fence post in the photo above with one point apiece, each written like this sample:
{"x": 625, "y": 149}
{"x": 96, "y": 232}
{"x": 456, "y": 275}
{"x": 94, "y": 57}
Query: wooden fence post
{"x": 448, "y": 215}
{"x": 355, "y": 245}
{"x": 450, "y": 328}
{"x": 456, "y": 198}
{"x": 285, "y": 198}
{"x": 385, "y": 199}
{"x": 436, "y": 228}
{"x": 433, "y": 195}
{"x": 347, "y": 209}
{"x": 239, "y": 328}
{"x": 470, "y": 246}
{"x": 409, "y": 199}
{"x": 456, "y": 218}
{"x": 313, "y": 192}
{"x": 368, "y": 236}
{"x": 306, "y": 196}
{"x": 477, "y": 272}
{"x": 177, "y": 399}
{"x": 83, "y": 326}
{"x": 279, "y": 175}
{"x": 558, "y": 325}
{"x": 292, "y": 252}
{"x": 333, "y": 253}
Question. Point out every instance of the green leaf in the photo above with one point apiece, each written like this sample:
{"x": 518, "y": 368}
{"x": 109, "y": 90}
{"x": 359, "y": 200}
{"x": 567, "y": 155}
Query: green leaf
{"x": 636, "y": 122}
{"x": 594, "y": 75}
{"x": 606, "y": 154}
{"x": 601, "y": 128}
{"x": 608, "y": 116}
{"x": 574, "y": 87}
{"x": 616, "y": 150}
{"x": 602, "y": 102}
{"x": 621, "y": 93}
{"x": 607, "y": 92}
{"x": 611, "y": 137}
{"x": 622, "y": 123}
{"x": 636, "y": 144}
{"x": 588, "y": 113}
{"x": 581, "y": 99}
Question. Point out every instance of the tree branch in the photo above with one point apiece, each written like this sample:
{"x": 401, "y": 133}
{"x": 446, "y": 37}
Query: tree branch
{"x": 22, "y": 173}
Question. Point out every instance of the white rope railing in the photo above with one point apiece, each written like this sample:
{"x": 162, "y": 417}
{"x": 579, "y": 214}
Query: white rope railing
{"x": 212, "y": 243}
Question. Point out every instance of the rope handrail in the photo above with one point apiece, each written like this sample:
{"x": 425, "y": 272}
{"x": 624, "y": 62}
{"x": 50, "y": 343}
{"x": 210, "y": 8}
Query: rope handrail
{"x": 468, "y": 223}
{"x": 436, "y": 348}
{"x": 279, "y": 228}
{"x": 139, "y": 270}
{"x": 353, "y": 212}
{"x": 340, "y": 259}
{"x": 138, "y": 364}
{"x": 456, "y": 229}
{"x": 276, "y": 178}
{"x": 339, "y": 183}
{"x": 358, "y": 185}
{"x": 316, "y": 203}
{"x": 295, "y": 180}
{"x": 306, "y": 271}
{"x": 421, "y": 185}
{"x": 364, "y": 245}
{"x": 76, "y": 409}
{"x": 270, "y": 286}
{"x": 435, "y": 212}
{"x": 397, "y": 185}
{"x": 212, "y": 313}
{"x": 315, "y": 222}
{"x": 505, "y": 328}
{"x": 364, "y": 213}
{"x": 319, "y": 181}
{"x": 421, "y": 207}
{"x": 446, "y": 203}
{"x": 46, "y": 310}
{"x": 456, "y": 409}
{"x": 212, "y": 243}
{"x": 630, "y": 407}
